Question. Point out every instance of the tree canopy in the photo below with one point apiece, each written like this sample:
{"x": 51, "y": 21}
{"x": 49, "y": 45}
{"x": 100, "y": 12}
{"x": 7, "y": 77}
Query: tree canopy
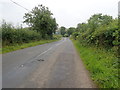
{"x": 41, "y": 20}
{"x": 101, "y": 30}
{"x": 70, "y": 31}
{"x": 62, "y": 30}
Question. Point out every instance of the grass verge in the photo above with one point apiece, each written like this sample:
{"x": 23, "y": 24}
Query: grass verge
{"x": 102, "y": 65}
{"x": 15, "y": 47}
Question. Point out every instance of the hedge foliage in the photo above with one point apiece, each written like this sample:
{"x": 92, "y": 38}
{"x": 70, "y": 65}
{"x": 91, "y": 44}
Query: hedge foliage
{"x": 11, "y": 35}
{"x": 100, "y": 30}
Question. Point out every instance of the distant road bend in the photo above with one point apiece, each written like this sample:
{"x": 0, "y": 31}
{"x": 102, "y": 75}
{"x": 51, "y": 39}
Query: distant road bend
{"x": 51, "y": 65}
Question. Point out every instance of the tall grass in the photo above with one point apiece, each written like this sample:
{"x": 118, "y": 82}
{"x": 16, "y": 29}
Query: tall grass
{"x": 103, "y": 65}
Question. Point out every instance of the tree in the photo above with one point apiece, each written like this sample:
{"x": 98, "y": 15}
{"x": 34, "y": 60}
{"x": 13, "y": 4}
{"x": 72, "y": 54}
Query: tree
{"x": 41, "y": 20}
{"x": 98, "y": 19}
{"x": 70, "y": 31}
{"x": 62, "y": 30}
{"x": 101, "y": 30}
{"x": 81, "y": 27}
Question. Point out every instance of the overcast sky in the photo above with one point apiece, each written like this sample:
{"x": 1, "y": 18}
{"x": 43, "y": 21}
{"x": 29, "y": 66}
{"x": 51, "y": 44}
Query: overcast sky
{"x": 68, "y": 13}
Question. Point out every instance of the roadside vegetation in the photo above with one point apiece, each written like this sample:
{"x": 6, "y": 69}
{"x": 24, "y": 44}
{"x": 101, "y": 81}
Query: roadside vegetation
{"x": 102, "y": 65}
{"x": 16, "y": 46}
{"x": 97, "y": 42}
{"x": 42, "y": 29}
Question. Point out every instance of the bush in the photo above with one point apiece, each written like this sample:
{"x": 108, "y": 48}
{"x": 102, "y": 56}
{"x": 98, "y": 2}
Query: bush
{"x": 106, "y": 34}
{"x": 11, "y": 35}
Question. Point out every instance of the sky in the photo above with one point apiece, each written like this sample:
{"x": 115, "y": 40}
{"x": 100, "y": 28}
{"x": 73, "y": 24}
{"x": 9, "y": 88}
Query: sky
{"x": 68, "y": 13}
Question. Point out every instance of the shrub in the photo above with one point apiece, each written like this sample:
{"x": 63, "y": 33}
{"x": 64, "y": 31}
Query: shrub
{"x": 11, "y": 35}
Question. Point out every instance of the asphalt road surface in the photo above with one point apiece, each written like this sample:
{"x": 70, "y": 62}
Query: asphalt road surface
{"x": 52, "y": 65}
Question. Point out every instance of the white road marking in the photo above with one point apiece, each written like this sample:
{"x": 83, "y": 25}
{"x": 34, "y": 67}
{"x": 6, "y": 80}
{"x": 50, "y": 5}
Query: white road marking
{"x": 60, "y": 43}
{"x": 49, "y": 49}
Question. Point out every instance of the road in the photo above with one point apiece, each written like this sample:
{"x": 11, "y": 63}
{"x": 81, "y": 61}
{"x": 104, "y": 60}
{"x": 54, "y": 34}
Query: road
{"x": 51, "y": 65}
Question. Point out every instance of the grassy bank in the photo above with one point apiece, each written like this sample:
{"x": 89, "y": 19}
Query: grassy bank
{"x": 15, "y": 47}
{"x": 102, "y": 65}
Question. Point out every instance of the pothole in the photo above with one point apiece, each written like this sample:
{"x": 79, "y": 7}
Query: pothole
{"x": 30, "y": 63}
{"x": 40, "y": 60}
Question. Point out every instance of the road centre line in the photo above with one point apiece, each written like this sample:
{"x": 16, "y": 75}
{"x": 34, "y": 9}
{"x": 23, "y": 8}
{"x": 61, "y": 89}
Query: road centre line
{"x": 44, "y": 52}
{"x": 48, "y": 49}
